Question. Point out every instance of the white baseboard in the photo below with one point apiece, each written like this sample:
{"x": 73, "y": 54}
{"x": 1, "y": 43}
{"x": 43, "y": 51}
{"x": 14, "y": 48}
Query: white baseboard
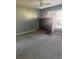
{"x": 26, "y": 32}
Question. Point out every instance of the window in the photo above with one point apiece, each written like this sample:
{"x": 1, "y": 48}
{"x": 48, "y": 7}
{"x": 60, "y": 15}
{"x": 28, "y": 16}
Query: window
{"x": 59, "y": 19}
{"x": 56, "y": 17}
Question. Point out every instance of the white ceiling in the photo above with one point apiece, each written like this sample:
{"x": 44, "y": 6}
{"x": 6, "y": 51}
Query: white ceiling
{"x": 28, "y": 3}
{"x": 49, "y": 3}
{"x": 36, "y": 3}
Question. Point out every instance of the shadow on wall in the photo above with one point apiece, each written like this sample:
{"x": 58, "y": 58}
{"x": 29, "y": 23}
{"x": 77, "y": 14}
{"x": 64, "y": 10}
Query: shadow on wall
{"x": 55, "y": 13}
{"x": 26, "y": 25}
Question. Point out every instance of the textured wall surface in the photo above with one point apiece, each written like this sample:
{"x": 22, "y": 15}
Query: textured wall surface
{"x": 26, "y": 19}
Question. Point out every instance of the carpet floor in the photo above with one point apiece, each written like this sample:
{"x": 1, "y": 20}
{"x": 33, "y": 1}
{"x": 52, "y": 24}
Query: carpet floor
{"x": 38, "y": 45}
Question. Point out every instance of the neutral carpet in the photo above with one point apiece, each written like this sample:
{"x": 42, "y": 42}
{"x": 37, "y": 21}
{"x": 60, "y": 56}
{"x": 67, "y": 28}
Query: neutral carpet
{"x": 38, "y": 45}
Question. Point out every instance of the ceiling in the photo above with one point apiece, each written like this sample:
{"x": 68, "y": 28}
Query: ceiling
{"x": 40, "y": 4}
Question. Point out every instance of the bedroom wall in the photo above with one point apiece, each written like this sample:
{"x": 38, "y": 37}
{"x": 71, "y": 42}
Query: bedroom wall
{"x": 52, "y": 15}
{"x": 54, "y": 8}
{"x": 27, "y": 19}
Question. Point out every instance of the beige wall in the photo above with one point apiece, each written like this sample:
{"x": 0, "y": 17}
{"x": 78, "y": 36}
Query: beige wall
{"x": 26, "y": 19}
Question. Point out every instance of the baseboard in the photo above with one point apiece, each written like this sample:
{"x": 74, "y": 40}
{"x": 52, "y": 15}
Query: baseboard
{"x": 26, "y": 32}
